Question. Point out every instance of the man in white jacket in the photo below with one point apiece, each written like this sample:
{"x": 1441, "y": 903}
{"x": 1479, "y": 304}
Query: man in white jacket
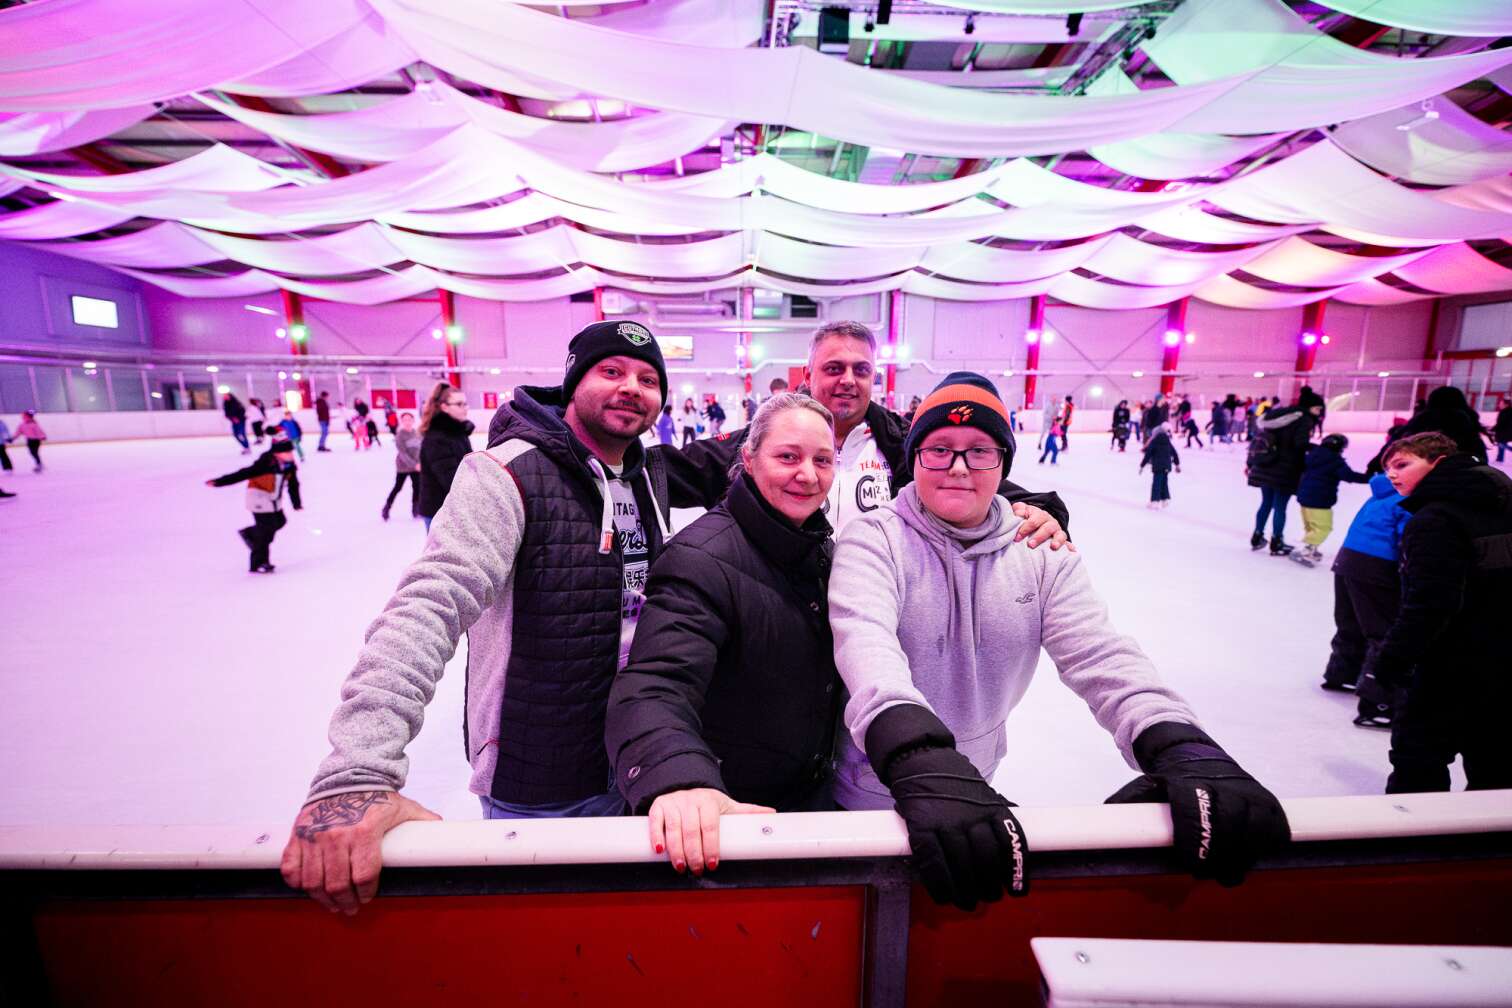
{"x": 938, "y": 624}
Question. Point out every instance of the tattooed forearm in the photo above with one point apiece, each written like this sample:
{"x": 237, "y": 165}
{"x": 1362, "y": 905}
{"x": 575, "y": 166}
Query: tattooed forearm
{"x": 339, "y": 810}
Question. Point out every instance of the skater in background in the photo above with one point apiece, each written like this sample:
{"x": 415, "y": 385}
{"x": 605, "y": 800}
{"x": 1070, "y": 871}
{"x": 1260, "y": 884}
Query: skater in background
{"x": 1155, "y": 416}
{"x": 32, "y": 431}
{"x": 1067, "y": 409}
{"x": 236, "y": 414}
{"x": 1049, "y": 418}
{"x": 1447, "y": 647}
{"x": 406, "y": 465}
{"x": 690, "y": 424}
{"x": 666, "y": 427}
{"x": 1251, "y": 419}
{"x": 1502, "y": 431}
{"x": 716, "y": 416}
{"x": 913, "y": 407}
{"x": 1367, "y": 590}
{"x": 1274, "y": 465}
{"x": 445, "y": 432}
{"x": 5, "y": 439}
{"x": 1218, "y": 424}
{"x": 1447, "y": 412}
{"x": 357, "y": 425}
{"x": 295, "y": 433}
{"x": 1120, "y": 428}
{"x": 258, "y": 416}
{"x": 1160, "y": 455}
{"x": 323, "y": 418}
{"x": 1053, "y": 439}
{"x": 390, "y": 417}
{"x": 1323, "y": 470}
{"x": 267, "y": 478}
{"x": 372, "y": 430}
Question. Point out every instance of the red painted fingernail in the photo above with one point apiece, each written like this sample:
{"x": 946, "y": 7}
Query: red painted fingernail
{"x": 678, "y": 865}
{"x": 659, "y": 848}
{"x": 713, "y": 865}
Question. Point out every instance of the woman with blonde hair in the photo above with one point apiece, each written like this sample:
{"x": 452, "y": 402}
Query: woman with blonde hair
{"x": 446, "y": 432}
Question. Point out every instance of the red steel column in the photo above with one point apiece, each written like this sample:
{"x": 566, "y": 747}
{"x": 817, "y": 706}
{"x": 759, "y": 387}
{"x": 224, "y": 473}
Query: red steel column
{"x": 890, "y": 355}
{"x": 1032, "y": 339}
{"x": 1174, "y": 335}
{"x": 453, "y": 337}
{"x": 1307, "y": 343}
{"x": 299, "y": 339}
{"x": 598, "y": 304}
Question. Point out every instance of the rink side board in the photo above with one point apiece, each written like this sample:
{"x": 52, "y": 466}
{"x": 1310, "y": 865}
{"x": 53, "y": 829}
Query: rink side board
{"x": 780, "y": 927}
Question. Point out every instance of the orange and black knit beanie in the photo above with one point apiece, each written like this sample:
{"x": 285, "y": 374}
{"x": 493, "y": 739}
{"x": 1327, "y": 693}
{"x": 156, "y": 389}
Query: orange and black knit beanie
{"x": 964, "y": 399}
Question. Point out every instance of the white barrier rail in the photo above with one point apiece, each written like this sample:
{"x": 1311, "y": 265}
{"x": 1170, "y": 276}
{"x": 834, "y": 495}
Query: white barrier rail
{"x": 806, "y": 835}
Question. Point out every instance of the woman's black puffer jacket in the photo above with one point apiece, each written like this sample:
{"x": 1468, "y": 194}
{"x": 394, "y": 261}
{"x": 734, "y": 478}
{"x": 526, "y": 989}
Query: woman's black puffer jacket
{"x": 445, "y": 444}
{"x": 731, "y": 682}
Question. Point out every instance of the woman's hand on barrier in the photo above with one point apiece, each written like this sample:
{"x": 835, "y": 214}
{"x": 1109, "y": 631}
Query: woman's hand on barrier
{"x": 1039, "y": 527}
{"x": 686, "y": 825}
{"x": 334, "y": 852}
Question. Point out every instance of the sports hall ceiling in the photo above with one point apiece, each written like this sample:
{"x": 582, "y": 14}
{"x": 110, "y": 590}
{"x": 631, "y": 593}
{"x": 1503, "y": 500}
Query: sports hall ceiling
{"x": 1251, "y": 153}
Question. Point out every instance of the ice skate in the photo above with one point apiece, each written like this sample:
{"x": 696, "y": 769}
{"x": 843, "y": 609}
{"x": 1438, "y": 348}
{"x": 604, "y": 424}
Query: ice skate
{"x": 1279, "y": 548}
{"x": 385, "y": 514}
{"x": 266, "y": 568}
{"x": 1257, "y": 541}
{"x": 1300, "y": 556}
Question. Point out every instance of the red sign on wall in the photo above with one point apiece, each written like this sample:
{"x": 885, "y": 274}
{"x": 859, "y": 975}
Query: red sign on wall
{"x": 490, "y": 400}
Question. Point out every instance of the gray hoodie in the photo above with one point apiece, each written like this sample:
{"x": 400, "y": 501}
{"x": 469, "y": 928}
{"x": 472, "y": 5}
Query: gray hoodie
{"x": 954, "y": 619}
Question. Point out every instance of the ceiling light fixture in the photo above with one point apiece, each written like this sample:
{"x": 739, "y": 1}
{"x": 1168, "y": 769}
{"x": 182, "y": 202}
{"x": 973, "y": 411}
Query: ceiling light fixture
{"x": 1428, "y": 114}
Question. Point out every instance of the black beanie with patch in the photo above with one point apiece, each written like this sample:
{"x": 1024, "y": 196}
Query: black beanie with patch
{"x": 611, "y": 338}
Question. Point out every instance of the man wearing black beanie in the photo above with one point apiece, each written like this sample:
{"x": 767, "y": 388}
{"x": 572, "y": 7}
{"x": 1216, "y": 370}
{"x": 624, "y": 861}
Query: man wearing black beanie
{"x": 540, "y": 556}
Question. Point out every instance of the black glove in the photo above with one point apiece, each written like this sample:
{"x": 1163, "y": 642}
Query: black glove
{"x": 966, "y": 844}
{"x": 1224, "y": 819}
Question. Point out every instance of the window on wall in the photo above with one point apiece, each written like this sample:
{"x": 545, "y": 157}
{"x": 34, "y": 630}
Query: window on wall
{"x": 97, "y": 312}
{"x": 15, "y": 389}
{"x": 50, "y": 395}
{"x": 86, "y": 390}
{"x": 126, "y": 389}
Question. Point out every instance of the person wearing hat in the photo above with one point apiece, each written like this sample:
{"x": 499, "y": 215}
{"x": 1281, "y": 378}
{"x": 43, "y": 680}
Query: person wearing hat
{"x": 266, "y": 479}
{"x": 938, "y": 623}
{"x": 540, "y": 555}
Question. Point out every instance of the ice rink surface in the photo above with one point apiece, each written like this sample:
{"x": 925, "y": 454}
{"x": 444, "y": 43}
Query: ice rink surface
{"x": 149, "y": 679}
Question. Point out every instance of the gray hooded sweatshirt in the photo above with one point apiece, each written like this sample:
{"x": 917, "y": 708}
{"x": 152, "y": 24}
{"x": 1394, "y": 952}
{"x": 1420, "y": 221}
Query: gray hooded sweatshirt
{"x": 953, "y": 620}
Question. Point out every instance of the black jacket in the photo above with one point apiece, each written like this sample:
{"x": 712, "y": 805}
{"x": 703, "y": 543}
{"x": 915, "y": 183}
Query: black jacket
{"x": 1504, "y": 424}
{"x": 1456, "y": 577}
{"x": 233, "y": 409}
{"x": 1160, "y": 454}
{"x": 731, "y": 682}
{"x": 441, "y": 451}
{"x": 698, "y": 476}
{"x": 1277, "y": 453}
{"x": 1120, "y": 418}
{"x": 1323, "y": 470}
{"x": 1448, "y": 413}
{"x": 1154, "y": 417}
{"x": 263, "y": 475}
{"x": 567, "y": 604}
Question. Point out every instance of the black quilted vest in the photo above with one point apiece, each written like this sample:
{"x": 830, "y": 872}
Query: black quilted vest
{"x": 566, "y": 624}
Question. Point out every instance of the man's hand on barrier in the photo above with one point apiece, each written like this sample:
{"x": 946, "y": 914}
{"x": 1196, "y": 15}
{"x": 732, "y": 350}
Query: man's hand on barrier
{"x": 334, "y": 852}
{"x": 686, "y": 825}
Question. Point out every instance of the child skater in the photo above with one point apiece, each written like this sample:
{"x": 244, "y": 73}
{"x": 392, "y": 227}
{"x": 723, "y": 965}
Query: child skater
{"x": 1053, "y": 438}
{"x": 266, "y": 479}
{"x": 406, "y": 465}
{"x": 295, "y": 433}
{"x": 1160, "y": 455}
{"x": 1323, "y": 470}
{"x": 32, "y": 431}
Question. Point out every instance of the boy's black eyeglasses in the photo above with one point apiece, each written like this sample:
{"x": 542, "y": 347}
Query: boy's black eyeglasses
{"x": 979, "y": 458}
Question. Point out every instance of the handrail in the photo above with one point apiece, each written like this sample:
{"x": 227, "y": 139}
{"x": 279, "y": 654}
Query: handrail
{"x": 806, "y": 835}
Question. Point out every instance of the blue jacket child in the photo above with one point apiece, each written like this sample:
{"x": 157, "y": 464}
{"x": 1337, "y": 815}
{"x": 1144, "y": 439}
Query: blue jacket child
{"x": 1322, "y": 472}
